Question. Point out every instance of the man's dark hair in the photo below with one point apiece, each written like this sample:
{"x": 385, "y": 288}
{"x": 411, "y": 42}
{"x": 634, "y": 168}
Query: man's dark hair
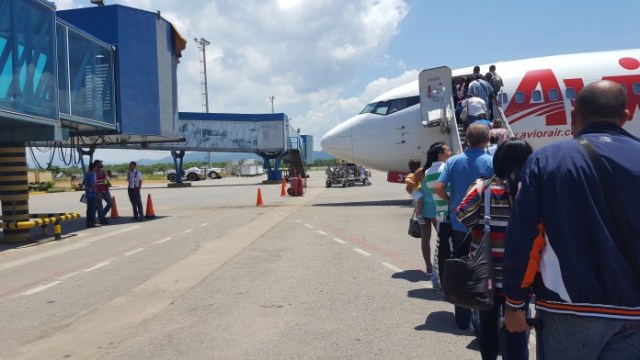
{"x": 601, "y": 101}
{"x": 92, "y": 166}
{"x": 477, "y": 134}
{"x": 476, "y": 69}
{"x": 414, "y": 165}
{"x": 133, "y": 163}
{"x": 492, "y": 68}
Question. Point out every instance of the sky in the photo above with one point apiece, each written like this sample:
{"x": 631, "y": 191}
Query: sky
{"x": 323, "y": 60}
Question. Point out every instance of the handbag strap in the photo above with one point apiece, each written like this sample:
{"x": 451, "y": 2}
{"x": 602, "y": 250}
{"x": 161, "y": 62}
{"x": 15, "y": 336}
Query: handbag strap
{"x": 487, "y": 203}
{"x": 621, "y": 232}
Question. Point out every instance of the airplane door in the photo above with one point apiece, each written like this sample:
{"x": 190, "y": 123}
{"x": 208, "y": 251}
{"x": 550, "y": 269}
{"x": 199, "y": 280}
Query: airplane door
{"x": 436, "y": 103}
{"x": 436, "y": 97}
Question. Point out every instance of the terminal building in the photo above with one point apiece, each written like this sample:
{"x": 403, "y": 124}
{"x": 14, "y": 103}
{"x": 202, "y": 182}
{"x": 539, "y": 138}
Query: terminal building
{"x": 106, "y": 76}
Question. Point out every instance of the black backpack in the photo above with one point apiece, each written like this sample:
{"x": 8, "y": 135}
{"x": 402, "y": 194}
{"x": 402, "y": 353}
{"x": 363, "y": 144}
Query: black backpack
{"x": 496, "y": 83}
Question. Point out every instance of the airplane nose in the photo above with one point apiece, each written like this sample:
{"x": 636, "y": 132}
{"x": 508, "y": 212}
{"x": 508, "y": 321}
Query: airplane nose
{"x": 338, "y": 141}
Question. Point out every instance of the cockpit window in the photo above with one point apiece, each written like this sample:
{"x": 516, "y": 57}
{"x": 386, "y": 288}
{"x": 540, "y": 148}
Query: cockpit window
{"x": 382, "y": 108}
{"x": 390, "y": 106}
{"x": 403, "y": 103}
{"x": 369, "y": 108}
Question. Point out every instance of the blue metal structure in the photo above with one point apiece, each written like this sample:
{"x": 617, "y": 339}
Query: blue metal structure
{"x": 107, "y": 76}
{"x": 148, "y": 49}
{"x": 28, "y": 71}
{"x": 267, "y": 135}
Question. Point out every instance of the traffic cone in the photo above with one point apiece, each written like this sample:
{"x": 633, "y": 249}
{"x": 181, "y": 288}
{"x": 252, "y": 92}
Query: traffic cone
{"x": 259, "y": 200}
{"x": 114, "y": 209}
{"x": 283, "y": 188}
{"x": 150, "y": 214}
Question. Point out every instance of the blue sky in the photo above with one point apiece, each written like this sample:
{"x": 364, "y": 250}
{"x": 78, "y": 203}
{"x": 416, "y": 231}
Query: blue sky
{"x": 436, "y": 32}
{"x": 323, "y": 60}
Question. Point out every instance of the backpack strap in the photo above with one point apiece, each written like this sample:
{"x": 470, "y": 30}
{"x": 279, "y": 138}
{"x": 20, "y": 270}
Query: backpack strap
{"x": 487, "y": 202}
{"x": 621, "y": 232}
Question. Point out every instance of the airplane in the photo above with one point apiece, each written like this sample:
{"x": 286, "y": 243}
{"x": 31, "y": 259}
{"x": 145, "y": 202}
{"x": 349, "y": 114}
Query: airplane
{"x": 403, "y": 122}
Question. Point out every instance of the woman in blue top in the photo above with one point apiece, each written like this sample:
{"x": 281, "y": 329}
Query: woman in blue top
{"x": 426, "y": 218}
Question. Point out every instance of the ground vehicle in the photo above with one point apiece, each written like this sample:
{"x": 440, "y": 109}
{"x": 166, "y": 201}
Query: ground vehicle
{"x": 213, "y": 173}
{"x": 191, "y": 174}
{"x": 346, "y": 174}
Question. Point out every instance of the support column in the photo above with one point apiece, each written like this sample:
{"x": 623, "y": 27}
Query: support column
{"x": 14, "y": 190}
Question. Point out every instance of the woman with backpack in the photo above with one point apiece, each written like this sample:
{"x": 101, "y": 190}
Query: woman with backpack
{"x": 507, "y": 162}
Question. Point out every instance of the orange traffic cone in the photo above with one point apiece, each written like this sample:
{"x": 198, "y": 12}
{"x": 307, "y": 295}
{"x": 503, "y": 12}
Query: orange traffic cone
{"x": 259, "y": 200}
{"x": 150, "y": 214}
{"x": 283, "y": 188}
{"x": 114, "y": 209}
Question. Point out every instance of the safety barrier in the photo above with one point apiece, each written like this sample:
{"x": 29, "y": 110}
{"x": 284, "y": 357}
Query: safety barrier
{"x": 42, "y": 220}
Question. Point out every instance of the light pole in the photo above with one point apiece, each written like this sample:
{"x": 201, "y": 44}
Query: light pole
{"x": 271, "y": 99}
{"x": 202, "y": 45}
{"x": 204, "y": 89}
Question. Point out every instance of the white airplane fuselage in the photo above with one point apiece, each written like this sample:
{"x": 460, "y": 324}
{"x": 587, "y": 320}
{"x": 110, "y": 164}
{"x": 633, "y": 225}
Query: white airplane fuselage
{"x": 537, "y": 93}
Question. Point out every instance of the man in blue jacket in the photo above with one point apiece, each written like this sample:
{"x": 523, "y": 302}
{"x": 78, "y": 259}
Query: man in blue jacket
{"x": 563, "y": 241}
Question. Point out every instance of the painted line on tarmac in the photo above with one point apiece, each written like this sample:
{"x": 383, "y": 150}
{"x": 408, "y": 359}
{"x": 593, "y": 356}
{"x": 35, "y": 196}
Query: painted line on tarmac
{"x": 62, "y": 250}
{"x": 203, "y": 225}
{"x": 322, "y": 233}
{"x": 162, "y": 241}
{"x": 339, "y": 241}
{"x": 309, "y": 226}
{"x": 134, "y": 252}
{"x": 98, "y": 266}
{"x": 392, "y": 267}
{"x": 360, "y": 251}
{"x": 69, "y": 275}
{"x": 187, "y": 231}
{"x": 40, "y": 288}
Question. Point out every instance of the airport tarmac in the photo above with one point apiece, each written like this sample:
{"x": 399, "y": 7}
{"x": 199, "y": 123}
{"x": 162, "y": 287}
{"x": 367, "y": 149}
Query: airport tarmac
{"x": 331, "y": 275}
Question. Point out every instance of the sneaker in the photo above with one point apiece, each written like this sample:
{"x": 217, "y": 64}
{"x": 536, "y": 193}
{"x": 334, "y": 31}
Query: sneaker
{"x": 429, "y": 273}
{"x": 436, "y": 285}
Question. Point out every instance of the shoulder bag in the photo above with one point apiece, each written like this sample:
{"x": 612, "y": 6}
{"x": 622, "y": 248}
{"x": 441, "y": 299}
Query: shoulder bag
{"x": 468, "y": 281}
{"x": 414, "y": 227}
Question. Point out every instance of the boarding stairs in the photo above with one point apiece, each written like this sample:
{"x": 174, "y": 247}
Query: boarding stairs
{"x": 296, "y": 162}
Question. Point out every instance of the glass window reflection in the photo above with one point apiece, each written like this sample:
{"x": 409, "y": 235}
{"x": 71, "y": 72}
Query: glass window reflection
{"x": 90, "y": 79}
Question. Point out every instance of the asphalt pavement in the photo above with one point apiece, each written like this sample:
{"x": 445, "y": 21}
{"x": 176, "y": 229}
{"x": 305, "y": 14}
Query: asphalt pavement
{"x": 330, "y": 275}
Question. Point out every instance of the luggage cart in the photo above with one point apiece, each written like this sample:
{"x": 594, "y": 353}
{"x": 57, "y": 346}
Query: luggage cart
{"x": 346, "y": 174}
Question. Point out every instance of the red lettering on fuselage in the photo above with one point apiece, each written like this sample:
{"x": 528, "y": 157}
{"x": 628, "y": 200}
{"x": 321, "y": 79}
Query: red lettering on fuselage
{"x": 552, "y": 110}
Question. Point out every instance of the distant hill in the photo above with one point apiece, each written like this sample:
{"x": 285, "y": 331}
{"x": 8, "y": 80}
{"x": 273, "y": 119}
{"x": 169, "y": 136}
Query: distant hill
{"x": 322, "y": 155}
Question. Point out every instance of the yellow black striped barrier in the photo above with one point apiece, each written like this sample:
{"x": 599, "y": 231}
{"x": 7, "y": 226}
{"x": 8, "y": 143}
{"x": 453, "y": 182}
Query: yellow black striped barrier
{"x": 42, "y": 220}
{"x": 14, "y": 190}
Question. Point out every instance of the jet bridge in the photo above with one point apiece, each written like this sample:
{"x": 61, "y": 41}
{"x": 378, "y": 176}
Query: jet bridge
{"x": 99, "y": 73}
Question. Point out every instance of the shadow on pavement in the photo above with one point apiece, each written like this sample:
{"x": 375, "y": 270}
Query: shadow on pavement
{"x": 399, "y": 203}
{"x": 69, "y": 231}
{"x": 443, "y": 321}
{"x": 425, "y": 294}
{"x": 411, "y": 275}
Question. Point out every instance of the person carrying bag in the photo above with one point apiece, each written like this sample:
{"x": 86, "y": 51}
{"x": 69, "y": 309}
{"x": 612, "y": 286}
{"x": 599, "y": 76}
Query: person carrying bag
{"x": 468, "y": 281}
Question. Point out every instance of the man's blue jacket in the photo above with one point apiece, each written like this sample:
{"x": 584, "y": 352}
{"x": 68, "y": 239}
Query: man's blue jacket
{"x": 560, "y": 239}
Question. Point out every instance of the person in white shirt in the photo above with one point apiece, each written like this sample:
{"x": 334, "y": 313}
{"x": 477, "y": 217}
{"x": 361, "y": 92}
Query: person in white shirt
{"x": 134, "y": 178}
{"x": 476, "y": 109}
